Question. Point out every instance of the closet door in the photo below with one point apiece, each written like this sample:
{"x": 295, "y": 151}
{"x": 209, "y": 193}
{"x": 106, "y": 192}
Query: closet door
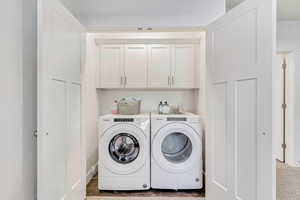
{"x": 184, "y": 62}
{"x": 61, "y": 161}
{"x": 111, "y": 66}
{"x": 241, "y": 51}
{"x": 136, "y": 61}
{"x": 159, "y": 69}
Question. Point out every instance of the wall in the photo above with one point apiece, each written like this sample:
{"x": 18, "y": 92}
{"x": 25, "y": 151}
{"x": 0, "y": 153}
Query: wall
{"x": 91, "y": 106}
{"x": 232, "y": 3}
{"x": 293, "y": 109}
{"x": 17, "y": 104}
{"x": 150, "y": 98}
{"x": 288, "y": 35}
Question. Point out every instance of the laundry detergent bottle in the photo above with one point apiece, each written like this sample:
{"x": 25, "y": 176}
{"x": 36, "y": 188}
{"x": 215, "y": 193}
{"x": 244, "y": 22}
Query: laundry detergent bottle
{"x": 115, "y": 109}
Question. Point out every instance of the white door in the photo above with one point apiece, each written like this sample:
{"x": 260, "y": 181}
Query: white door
{"x": 159, "y": 69}
{"x": 241, "y": 50}
{"x": 184, "y": 62}
{"x": 136, "y": 61}
{"x": 111, "y": 66}
{"x": 60, "y": 157}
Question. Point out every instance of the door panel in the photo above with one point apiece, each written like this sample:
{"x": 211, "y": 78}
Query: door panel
{"x": 111, "y": 66}
{"x": 240, "y": 52}
{"x": 246, "y": 139}
{"x": 60, "y": 163}
{"x": 220, "y": 134}
{"x": 159, "y": 70}
{"x": 75, "y": 158}
{"x": 136, "y": 62}
{"x": 184, "y": 61}
{"x": 55, "y": 174}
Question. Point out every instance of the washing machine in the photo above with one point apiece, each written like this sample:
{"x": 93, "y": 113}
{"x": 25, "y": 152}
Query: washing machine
{"x": 124, "y": 152}
{"x": 176, "y": 152}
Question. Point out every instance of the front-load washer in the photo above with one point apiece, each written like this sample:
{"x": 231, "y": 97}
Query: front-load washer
{"x": 176, "y": 155}
{"x": 124, "y": 152}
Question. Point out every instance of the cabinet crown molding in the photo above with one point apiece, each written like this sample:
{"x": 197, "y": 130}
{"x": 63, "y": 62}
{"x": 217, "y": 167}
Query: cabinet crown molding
{"x": 147, "y": 41}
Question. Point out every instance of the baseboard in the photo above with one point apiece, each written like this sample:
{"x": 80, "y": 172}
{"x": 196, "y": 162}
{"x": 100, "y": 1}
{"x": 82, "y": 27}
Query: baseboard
{"x": 91, "y": 173}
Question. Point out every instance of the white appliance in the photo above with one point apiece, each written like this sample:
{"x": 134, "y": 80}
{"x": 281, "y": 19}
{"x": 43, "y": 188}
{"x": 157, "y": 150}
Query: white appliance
{"x": 176, "y": 156}
{"x": 124, "y": 152}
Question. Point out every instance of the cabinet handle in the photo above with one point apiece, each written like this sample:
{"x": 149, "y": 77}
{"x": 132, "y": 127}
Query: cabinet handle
{"x": 125, "y": 80}
{"x": 173, "y": 80}
{"x": 169, "y": 82}
{"x": 121, "y": 80}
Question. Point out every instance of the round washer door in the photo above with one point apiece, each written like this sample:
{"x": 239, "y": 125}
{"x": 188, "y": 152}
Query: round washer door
{"x": 123, "y": 149}
{"x": 176, "y": 147}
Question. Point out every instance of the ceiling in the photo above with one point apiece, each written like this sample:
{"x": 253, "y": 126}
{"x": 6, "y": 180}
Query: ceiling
{"x": 287, "y": 9}
{"x": 162, "y": 13}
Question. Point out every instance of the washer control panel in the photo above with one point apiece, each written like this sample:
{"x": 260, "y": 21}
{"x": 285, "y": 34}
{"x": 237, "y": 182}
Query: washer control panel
{"x": 123, "y": 120}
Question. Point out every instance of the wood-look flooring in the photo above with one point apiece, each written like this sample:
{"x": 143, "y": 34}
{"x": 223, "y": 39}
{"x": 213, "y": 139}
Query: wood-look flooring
{"x": 288, "y": 182}
{"x": 93, "y": 193}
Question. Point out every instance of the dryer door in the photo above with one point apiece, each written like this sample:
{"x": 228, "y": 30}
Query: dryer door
{"x": 177, "y": 147}
{"x": 124, "y": 149}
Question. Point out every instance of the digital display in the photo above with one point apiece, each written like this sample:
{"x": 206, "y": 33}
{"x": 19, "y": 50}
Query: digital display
{"x": 176, "y": 119}
{"x": 123, "y": 120}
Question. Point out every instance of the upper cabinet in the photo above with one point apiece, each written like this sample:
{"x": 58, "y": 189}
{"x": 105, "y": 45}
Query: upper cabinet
{"x": 135, "y": 66}
{"x": 184, "y": 66}
{"x": 111, "y": 70}
{"x": 148, "y": 66}
{"x": 160, "y": 65}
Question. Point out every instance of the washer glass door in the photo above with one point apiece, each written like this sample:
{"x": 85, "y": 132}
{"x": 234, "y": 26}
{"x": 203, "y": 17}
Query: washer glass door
{"x": 124, "y": 148}
{"x": 176, "y": 147}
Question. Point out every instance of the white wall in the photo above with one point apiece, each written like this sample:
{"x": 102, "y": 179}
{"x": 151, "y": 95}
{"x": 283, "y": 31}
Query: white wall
{"x": 288, "y": 35}
{"x": 90, "y": 101}
{"x": 150, "y": 98}
{"x": 232, "y": 3}
{"x": 17, "y": 105}
{"x": 293, "y": 109}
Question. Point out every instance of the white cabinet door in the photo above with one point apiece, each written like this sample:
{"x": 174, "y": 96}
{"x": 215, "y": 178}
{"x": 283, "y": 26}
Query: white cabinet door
{"x": 241, "y": 50}
{"x": 61, "y": 163}
{"x": 111, "y": 66}
{"x": 184, "y": 66}
{"x": 159, "y": 69}
{"x": 136, "y": 61}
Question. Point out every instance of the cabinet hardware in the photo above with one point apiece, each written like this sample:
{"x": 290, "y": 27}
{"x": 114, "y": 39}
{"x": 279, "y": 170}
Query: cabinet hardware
{"x": 121, "y": 80}
{"x": 173, "y": 80}
{"x": 169, "y": 80}
{"x": 125, "y": 80}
